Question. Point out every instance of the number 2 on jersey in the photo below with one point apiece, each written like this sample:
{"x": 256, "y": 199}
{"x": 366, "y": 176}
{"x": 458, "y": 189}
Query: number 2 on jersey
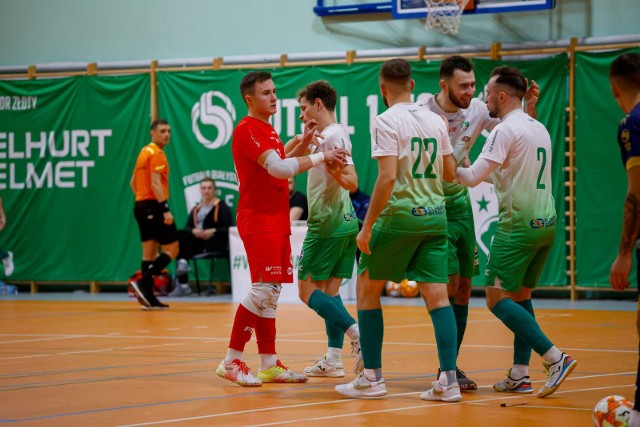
{"x": 424, "y": 144}
{"x": 542, "y": 156}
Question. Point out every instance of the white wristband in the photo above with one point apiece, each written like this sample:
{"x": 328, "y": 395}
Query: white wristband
{"x": 316, "y": 158}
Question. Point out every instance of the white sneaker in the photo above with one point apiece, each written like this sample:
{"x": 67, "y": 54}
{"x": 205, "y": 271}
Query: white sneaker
{"x": 362, "y": 387}
{"x": 182, "y": 266}
{"x": 8, "y": 264}
{"x": 442, "y": 392}
{"x": 556, "y": 374}
{"x": 182, "y": 290}
{"x": 238, "y": 372}
{"x": 511, "y": 385}
{"x": 357, "y": 352}
{"x": 325, "y": 368}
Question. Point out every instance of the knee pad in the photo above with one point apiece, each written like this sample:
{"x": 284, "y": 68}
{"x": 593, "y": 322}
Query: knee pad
{"x": 270, "y": 309}
{"x": 262, "y": 297}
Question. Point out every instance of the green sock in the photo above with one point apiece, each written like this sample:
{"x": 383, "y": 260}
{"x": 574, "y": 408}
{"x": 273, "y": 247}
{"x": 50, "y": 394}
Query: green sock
{"x": 444, "y": 324}
{"x": 334, "y": 332}
{"x": 461, "y": 312}
{"x": 522, "y": 324}
{"x": 371, "y": 326}
{"x": 330, "y": 310}
{"x": 522, "y": 350}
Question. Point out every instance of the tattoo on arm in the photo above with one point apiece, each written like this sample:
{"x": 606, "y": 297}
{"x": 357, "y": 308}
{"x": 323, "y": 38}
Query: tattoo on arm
{"x": 631, "y": 223}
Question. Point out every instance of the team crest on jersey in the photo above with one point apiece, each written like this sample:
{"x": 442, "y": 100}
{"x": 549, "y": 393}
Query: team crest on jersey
{"x": 625, "y": 137}
{"x": 464, "y": 126}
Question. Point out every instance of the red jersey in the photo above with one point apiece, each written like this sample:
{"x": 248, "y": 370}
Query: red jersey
{"x": 263, "y": 205}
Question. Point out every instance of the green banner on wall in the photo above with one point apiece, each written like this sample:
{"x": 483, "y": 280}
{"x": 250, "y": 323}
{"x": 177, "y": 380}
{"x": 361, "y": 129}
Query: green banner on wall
{"x": 601, "y": 181}
{"x": 203, "y": 107}
{"x": 67, "y": 150}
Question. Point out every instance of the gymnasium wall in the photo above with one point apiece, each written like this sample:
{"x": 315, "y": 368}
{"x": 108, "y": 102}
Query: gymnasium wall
{"x": 45, "y": 31}
{"x": 72, "y": 231}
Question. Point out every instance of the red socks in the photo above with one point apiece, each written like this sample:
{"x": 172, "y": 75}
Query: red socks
{"x": 243, "y": 326}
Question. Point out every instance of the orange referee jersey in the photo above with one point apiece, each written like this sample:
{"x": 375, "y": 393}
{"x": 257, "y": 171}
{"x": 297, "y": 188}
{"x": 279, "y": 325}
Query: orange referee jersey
{"x": 150, "y": 159}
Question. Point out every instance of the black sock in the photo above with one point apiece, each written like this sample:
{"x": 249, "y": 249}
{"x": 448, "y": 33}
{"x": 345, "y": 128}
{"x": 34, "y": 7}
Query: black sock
{"x": 157, "y": 265}
{"x": 183, "y": 278}
{"x": 145, "y": 266}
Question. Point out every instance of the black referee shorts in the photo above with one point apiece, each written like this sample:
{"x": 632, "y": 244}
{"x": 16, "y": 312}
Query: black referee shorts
{"x": 150, "y": 219}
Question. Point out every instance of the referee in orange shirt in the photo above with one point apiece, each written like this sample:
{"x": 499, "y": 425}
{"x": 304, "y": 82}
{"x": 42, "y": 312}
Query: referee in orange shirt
{"x": 150, "y": 184}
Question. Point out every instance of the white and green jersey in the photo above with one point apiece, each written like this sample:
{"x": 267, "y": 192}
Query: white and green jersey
{"x": 521, "y": 146}
{"x": 465, "y": 125}
{"x": 419, "y": 139}
{"x": 331, "y": 212}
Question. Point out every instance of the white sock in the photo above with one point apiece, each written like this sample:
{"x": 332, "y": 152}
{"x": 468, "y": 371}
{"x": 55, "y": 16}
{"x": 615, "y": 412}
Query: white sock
{"x": 552, "y": 355}
{"x": 267, "y": 361}
{"x": 634, "y": 419}
{"x": 450, "y": 376}
{"x": 334, "y": 353}
{"x": 519, "y": 371}
{"x": 370, "y": 374}
{"x": 353, "y": 332}
{"x": 232, "y": 355}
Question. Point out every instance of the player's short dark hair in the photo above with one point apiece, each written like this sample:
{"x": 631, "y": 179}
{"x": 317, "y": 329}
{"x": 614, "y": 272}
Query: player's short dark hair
{"x": 626, "y": 70}
{"x": 320, "y": 89}
{"x": 211, "y": 180}
{"x": 512, "y": 78}
{"x": 248, "y": 83}
{"x": 453, "y": 63}
{"x": 158, "y": 122}
{"x": 396, "y": 71}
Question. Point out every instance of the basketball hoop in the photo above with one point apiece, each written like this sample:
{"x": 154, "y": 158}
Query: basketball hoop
{"x": 444, "y": 15}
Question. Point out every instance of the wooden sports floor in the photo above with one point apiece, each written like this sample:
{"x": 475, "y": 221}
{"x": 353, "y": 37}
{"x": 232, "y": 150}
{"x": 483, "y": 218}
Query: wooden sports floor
{"x": 78, "y": 363}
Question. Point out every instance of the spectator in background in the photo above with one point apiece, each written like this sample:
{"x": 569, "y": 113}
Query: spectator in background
{"x": 207, "y": 230}
{"x": 298, "y": 207}
{"x": 360, "y": 202}
{"x": 5, "y": 256}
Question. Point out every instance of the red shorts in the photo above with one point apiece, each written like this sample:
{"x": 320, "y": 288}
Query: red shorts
{"x": 269, "y": 256}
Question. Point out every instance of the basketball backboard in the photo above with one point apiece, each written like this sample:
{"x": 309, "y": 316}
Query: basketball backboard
{"x": 417, "y": 8}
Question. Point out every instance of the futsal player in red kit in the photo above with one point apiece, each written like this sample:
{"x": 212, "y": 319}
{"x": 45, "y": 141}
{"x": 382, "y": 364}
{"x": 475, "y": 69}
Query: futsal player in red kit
{"x": 264, "y": 227}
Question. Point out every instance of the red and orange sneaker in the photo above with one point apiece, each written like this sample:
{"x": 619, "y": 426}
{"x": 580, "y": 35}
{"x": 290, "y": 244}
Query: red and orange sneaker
{"x": 238, "y": 372}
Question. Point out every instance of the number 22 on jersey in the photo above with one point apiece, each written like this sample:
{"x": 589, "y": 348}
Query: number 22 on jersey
{"x": 420, "y": 171}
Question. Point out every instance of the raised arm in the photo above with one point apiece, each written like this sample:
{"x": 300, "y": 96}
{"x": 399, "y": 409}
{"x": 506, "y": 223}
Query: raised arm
{"x": 286, "y": 168}
{"x": 531, "y": 99}
{"x": 477, "y": 173}
{"x": 346, "y": 177}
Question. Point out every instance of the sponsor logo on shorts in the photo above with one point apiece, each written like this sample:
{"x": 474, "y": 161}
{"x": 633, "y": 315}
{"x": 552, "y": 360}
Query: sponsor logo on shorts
{"x": 290, "y": 271}
{"x": 428, "y": 211}
{"x": 350, "y": 216}
{"x": 543, "y": 222}
{"x": 273, "y": 269}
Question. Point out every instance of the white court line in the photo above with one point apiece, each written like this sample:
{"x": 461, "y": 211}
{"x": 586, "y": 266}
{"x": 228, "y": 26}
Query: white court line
{"x": 224, "y": 339}
{"x": 345, "y": 400}
{"x": 43, "y": 339}
{"x": 32, "y": 356}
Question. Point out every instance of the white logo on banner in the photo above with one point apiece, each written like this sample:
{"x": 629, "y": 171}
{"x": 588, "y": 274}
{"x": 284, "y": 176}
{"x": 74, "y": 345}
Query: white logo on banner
{"x": 205, "y": 112}
{"x": 485, "y": 214}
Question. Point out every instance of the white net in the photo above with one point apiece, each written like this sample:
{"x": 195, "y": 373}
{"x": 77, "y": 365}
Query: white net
{"x": 444, "y": 15}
